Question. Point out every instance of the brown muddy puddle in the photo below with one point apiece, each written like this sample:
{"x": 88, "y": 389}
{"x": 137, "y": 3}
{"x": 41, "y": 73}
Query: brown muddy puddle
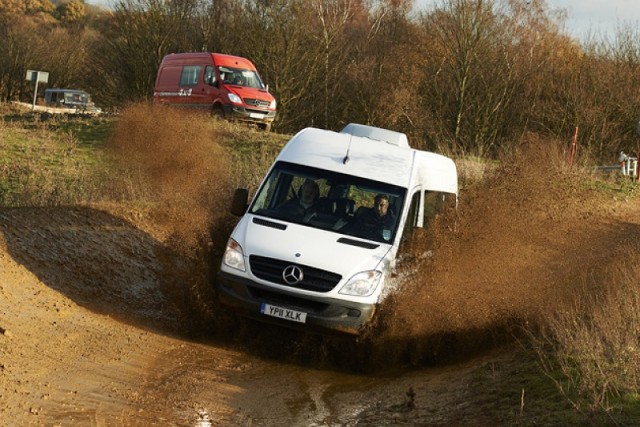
{"x": 201, "y": 385}
{"x": 197, "y": 384}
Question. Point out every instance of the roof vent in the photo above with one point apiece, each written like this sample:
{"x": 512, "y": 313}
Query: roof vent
{"x": 378, "y": 134}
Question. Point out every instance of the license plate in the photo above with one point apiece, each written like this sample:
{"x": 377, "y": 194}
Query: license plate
{"x": 283, "y": 313}
{"x": 256, "y": 116}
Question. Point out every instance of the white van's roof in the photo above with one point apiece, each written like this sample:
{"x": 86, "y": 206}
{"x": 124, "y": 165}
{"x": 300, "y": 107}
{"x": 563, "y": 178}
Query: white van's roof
{"x": 367, "y": 152}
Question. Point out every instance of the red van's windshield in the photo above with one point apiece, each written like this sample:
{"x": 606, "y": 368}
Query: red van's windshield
{"x": 240, "y": 77}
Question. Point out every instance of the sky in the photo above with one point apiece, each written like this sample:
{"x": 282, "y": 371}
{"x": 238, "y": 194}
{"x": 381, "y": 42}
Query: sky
{"x": 597, "y": 17}
{"x": 584, "y": 17}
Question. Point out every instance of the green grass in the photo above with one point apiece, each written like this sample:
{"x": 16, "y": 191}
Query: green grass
{"x": 52, "y": 159}
{"x": 41, "y": 166}
{"x": 613, "y": 184}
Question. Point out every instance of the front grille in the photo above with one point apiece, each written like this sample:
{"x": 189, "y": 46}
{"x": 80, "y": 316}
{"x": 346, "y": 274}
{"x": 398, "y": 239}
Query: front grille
{"x": 256, "y": 102}
{"x": 271, "y": 269}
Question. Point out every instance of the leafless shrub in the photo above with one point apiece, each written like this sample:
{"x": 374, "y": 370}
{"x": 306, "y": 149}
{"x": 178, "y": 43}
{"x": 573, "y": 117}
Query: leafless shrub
{"x": 592, "y": 349}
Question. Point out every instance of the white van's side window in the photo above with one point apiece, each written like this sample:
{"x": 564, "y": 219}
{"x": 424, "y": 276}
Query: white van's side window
{"x": 189, "y": 76}
{"x": 436, "y": 202}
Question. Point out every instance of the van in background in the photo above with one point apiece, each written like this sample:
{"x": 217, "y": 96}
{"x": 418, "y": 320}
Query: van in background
{"x": 78, "y": 100}
{"x": 227, "y": 86}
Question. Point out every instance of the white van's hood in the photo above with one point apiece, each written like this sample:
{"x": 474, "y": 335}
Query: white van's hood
{"x": 309, "y": 246}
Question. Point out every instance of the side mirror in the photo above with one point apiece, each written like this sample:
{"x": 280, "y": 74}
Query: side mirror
{"x": 239, "y": 204}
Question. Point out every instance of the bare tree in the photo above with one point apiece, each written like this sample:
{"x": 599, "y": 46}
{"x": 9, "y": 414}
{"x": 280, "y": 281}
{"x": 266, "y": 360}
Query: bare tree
{"x": 386, "y": 68}
{"x": 332, "y": 16}
{"x": 281, "y": 46}
{"x": 209, "y": 27}
{"x": 21, "y": 48}
{"x": 135, "y": 40}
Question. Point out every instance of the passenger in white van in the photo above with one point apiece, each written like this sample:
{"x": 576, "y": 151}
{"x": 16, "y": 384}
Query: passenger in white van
{"x": 375, "y": 222}
{"x": 303, "y": 206}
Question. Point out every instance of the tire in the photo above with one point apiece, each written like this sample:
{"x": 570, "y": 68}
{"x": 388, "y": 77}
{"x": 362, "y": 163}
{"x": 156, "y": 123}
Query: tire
{"x": 266, "y": 127}
{"x": 218, "y": 113}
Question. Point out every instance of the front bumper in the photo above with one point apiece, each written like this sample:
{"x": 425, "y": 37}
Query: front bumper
{"x": 324, "y": 315}
{"x": 244, "y": 114}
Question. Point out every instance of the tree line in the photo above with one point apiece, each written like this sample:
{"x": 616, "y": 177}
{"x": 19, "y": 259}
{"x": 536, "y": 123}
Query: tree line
{"x": 465, "y": 77}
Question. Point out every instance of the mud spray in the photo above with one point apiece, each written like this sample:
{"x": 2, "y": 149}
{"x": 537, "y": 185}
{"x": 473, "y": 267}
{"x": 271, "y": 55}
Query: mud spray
{"x": 515, "y": 247}
{"x": 174, "y": 170}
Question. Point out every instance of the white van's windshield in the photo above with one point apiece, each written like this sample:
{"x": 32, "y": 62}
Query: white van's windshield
{"x": 331, "y": 201}
{"x": 240, "y": 77}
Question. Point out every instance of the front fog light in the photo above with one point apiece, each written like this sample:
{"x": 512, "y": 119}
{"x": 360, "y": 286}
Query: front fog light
{"x": 233, "y": 256}
{"x": 362, "y": 284}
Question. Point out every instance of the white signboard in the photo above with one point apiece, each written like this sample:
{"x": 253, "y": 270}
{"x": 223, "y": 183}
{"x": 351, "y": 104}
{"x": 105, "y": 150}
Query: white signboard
{"x": 36, "y": 77}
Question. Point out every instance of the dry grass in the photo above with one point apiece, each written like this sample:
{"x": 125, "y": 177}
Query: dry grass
{"x": 524, "y": 237}
{"x": 592, "y": 348}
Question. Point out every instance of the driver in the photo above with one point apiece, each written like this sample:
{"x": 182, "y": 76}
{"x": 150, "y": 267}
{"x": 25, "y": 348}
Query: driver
{"x": 302, "y": 206}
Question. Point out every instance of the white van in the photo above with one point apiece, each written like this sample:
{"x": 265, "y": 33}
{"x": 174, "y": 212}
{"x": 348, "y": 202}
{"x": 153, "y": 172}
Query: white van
{"x": 327, "y": 267}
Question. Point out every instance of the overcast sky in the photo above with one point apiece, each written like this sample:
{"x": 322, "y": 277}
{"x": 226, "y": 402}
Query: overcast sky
{"x": 600, "y": 17}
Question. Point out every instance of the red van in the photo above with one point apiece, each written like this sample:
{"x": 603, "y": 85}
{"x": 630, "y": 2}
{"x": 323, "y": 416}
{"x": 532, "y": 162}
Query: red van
{"x": 228, "y": 86}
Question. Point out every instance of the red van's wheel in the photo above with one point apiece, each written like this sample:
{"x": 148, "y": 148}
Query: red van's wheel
{"x": 265, "y": 127}
{"x": 218, "y": 113}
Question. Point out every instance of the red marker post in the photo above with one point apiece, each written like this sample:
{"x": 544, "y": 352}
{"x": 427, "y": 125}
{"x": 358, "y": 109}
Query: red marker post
{"x": 638, "y": 162}
{"x": 574, "y": 144}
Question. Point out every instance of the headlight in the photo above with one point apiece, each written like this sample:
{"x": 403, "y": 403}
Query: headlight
{"x": 273, "y": 104}
{"x": 235, "y": 98}
{"x": 233, "y": 256}
{"x": 362, "y": 284}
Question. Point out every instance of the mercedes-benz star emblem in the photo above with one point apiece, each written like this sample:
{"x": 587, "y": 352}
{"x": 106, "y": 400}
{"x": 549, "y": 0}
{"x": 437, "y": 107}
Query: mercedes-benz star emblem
{"x": 292, "y": 275}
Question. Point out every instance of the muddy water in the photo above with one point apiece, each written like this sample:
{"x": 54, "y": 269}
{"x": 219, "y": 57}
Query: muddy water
{"x": 202, "y": 385}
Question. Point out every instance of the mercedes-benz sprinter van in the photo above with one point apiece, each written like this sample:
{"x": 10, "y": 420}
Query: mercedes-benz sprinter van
{"x": 227, "y": 86}
{"x": 317, "y": 244}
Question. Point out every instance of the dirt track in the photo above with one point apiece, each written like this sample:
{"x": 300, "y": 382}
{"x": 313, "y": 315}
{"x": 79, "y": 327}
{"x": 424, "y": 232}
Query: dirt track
{"x": 96, "y": 327}
{"x": 90, "y": 339}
